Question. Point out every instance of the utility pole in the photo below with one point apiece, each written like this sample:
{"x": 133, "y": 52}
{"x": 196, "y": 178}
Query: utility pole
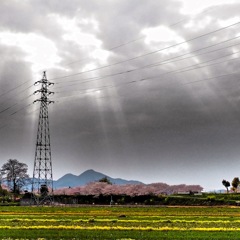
{"x": 42, "y": 182}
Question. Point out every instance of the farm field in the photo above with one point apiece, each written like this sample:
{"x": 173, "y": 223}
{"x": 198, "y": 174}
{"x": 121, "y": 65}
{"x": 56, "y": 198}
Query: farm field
{"x": 105, "y": 222}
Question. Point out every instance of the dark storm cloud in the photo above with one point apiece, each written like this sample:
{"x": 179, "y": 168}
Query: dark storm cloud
{"x": 13, "y": 68}
{"x": 128, "y": 18}
{"x": 26, "y": 16}
{"x": 163, "y": 126}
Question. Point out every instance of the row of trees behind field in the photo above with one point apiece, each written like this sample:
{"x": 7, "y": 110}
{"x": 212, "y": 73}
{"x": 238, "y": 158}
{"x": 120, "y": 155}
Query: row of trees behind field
{"x": 14, "y": 175}
{"x": 103, "y": 188}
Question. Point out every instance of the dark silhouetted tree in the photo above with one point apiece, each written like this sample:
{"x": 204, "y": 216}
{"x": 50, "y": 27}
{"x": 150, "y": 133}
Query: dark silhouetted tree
{"x": 44, "y": 190}
{"x": 226, "y": 184}
{"x": 15, "y": 173}
{"x": 235, "y": 183}
{"x": 105, "y": 180}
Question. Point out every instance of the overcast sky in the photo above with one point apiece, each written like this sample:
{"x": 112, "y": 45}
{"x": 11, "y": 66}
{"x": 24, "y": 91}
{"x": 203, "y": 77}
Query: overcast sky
{"x": 144, "y": 90}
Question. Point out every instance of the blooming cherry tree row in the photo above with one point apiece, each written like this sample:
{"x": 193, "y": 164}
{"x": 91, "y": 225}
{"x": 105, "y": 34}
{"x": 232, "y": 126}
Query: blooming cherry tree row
{"x": 98, "y": 188}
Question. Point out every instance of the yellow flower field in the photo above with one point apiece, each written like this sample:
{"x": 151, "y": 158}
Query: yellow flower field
{"x": 106, "y": 222}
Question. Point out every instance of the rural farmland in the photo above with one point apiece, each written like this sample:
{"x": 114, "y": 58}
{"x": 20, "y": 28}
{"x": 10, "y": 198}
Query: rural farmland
{"x": 128, "y": 222}
{"x": 141, "y": 102}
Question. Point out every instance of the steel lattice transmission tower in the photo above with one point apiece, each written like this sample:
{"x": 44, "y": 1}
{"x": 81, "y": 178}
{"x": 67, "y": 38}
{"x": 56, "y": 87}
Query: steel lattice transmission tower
{"x": 42, "y": 184}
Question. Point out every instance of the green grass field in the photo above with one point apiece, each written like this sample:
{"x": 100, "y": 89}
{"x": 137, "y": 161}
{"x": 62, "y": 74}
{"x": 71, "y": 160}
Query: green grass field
{"x": 92, "y": 222}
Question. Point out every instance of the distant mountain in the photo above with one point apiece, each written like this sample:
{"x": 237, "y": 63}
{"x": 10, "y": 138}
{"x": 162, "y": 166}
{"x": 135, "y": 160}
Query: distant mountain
{"x": 70, "y": 180}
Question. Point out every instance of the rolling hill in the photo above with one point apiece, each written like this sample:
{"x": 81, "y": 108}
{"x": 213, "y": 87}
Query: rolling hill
{"x": 71, "y": 180}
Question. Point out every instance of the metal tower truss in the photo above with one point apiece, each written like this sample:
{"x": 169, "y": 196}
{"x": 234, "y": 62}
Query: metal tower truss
{"x": 42, "y": 182}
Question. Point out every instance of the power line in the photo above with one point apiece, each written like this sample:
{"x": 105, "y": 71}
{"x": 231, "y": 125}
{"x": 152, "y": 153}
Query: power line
{"x": 20, "y": 110}
{"x": 90, "y": 70}
{"x": 133, "y": 82}
{"x": 30, "y": 104}
{"x": 15, "y": 104}
{"x": 4, "y": 110}
{"x": 200, "y": 54}
{"x": 140, "y": 38}
{"x": 184, "y": 69}
{"x": 124, "y": 44}
{"x": 149, "y": 53}
{"x": 121, "y": 85}
{"x": 156, "y": 64}
{"x": 12, "y": 89}
{"x": 16, "y": 94}
{"x": 118, "y": 63}
{"x": 132, "y": 70}
{"x": 122, "y": 61}
{"x": 196, "y": 66}
{"x": 180, "y": 70}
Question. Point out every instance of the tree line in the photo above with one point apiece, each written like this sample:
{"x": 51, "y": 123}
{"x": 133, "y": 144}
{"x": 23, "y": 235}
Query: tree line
{"x": 14, "y": 174}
